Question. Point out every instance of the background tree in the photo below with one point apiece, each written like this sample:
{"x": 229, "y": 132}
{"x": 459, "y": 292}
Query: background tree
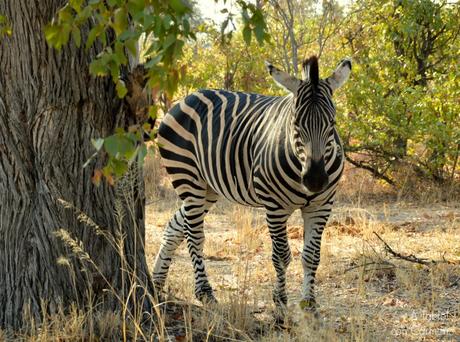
{"x": 403, "y": 107}
{"x": 64, "y": 241}
{"x": 235, "y": 65}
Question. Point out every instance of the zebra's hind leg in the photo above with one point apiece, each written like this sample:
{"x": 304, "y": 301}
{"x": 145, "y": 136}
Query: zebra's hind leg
{"x": 281, "y": 257}
{"x": 172, "y": 238}
{"x": 314, "y": 218}
{"x": 195, "y": 209}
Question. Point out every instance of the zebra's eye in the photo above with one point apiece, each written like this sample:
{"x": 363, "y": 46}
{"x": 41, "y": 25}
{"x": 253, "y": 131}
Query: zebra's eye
{"x": 332, "y": 122}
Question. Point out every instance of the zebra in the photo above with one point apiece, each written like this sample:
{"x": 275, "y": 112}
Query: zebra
{"x": 281, "y": 153}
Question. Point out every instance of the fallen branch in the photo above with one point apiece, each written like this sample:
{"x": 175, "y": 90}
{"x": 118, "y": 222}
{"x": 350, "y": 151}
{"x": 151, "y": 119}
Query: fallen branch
{"x": 412, "y": 257}
{"x": 388, "y": 265}
{"x": 455, "y": 282}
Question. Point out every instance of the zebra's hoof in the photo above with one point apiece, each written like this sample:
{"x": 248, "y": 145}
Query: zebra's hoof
{"x": 159, "y": 293}
{"x": 308, "y": 305}
{"x": 280, "y": 299}
{"x": 159, "y": 297}
{"x": 207, "y": 298}
{"x": 279, "y": 321}
{"x": 282, "y": 321}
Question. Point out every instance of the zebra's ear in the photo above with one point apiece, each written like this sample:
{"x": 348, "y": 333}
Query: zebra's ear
{"x": 340, "y": 75}
{"x": 282, "y": 78}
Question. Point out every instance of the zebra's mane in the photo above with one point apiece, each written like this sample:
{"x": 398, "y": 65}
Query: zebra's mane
{"x": 311, "y": 65}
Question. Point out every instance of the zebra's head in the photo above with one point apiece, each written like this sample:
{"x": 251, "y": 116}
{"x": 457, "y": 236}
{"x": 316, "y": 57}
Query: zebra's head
{"x": 313, "y": 117}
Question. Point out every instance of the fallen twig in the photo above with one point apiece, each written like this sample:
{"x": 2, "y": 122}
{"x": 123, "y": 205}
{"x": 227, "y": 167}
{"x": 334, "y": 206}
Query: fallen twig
{"x": 412, "y": 257}
{"x": 455, "y": 282}
{"x": 386, "y": 263}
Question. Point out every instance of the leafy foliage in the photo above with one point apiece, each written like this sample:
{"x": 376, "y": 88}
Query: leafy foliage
{"x": 116, "y": 27}
{"x": 5, "y": 28}
{"x": 403, "y": 107}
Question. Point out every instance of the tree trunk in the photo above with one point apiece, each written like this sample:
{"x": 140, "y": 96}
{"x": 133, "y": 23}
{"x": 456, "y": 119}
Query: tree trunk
{"x": 50, "y": 108}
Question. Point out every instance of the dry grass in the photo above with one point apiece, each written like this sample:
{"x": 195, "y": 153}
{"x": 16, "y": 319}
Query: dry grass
{"x": 364, "y": 294}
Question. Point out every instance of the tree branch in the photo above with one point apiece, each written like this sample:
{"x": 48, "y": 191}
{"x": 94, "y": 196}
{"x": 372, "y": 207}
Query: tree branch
{"x": 374, "y": 171}
{"x": 411, "y": 257}
{"x": 388, "y": 265}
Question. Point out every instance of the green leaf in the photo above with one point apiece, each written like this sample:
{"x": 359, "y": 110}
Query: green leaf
{"x": 260, "y": 32}
{"x": 120, "y": 21}
{"x": 97, "y": 143}
{"x": 119, "y": 56}
{"x": 118, "y": 145}
{"x": 65, "y": 15}
{"x": 247, "y": 35}
{"x": 128, "y": 34}
{"x": 141, "y": 153}
{"x": 76, "y": 5}
{"x": 245, "y": 15}
{"x": 149, "y": 20}
{"x": 114, "y": 68}
{"x": 5, "y": 28}
{"x": 98, "y": 68}
{"x": 179, "y": 6}
{"x": 119, "y": 167}
{"x": 51, "y": 32}
{"x": 76, "y": 35}
{"x": 224, "y": 25}
{"x": 170, "y": 39}
{"x": 153, "y": 111}
{"x": 178, "y": 48}
{"x": 131, "y": 45}
{"x": 153, "y": 61}
{"x": 113, "y": 3}
{"x": 167, "y": 22}
{"x": 136, "y": 7}
{"x": 121, "y": 89}
{"x": 83, "y": 15}
{"x": 93, "y": 34}
{"x": 186, "y": 26}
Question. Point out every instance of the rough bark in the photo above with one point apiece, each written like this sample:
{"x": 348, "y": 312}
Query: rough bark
{"x": 50, "y": 108}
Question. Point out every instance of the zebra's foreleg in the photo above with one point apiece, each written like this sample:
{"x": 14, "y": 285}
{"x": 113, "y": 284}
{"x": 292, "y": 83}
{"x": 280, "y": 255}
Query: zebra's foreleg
{"x": 281, "y": 255}
{"x": 314, "y": 222}
{"x": 172, "y": 238}
{"x": 195, "y": 211}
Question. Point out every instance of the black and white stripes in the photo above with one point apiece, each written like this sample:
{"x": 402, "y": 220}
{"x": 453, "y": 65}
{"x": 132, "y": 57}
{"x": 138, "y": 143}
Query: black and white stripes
{"x": 280, "y": 153}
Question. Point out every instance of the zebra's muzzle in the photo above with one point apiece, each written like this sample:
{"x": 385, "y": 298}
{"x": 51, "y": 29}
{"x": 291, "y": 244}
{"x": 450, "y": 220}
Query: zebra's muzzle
{"x": 316, "y": 178}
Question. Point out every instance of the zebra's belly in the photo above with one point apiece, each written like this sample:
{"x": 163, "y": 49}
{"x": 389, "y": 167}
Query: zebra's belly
{"x": 253, "y": 193}
{"x": 233, "y": 183}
